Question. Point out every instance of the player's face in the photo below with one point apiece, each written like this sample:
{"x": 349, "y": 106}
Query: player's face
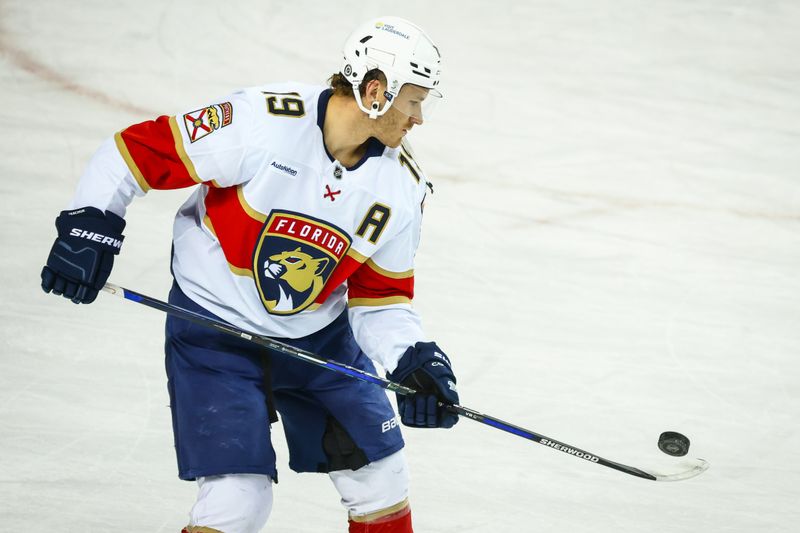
{"x": 402, "y": 116}
{"x": 410, "y": 101}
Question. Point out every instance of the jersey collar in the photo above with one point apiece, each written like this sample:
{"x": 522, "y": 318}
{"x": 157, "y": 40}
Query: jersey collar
{"x": 375, "y": 148}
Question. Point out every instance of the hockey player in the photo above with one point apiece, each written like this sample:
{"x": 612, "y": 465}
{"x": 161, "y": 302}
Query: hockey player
{"x": 303, "y": 225}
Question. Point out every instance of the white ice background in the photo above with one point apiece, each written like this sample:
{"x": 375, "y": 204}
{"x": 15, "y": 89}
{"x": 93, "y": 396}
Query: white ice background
{"x": 612, "y": 251}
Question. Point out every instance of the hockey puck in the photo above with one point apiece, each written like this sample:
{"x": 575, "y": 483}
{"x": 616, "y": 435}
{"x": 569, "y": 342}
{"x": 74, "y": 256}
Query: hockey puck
{"x": 673, "y": 443}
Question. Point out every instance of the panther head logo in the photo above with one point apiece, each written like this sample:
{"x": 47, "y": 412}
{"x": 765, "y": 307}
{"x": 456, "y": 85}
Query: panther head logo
{"x": 298, "y": 278}
{"x": 294, "y": 258}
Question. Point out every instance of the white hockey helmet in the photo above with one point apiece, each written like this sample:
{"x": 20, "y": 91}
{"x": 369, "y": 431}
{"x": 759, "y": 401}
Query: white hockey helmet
{"x": 405, "y": 55}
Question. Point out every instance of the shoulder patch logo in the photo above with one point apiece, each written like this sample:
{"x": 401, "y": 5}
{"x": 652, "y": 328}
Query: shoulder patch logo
{"x": 294, "y": 258}
{"x": 207, "y": 120}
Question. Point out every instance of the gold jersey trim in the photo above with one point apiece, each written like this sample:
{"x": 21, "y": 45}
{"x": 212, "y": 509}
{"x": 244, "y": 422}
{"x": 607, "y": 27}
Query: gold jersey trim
{"x": 378, "y": 302}
{"x": 261, "y": 217}
{"x": 246, "y": 272}
{"x": 132, "y": 166}
{"x": 181, "y": 151}
{"x": 209, "y": 225}
{"x": 377, "y": 515}
{"x": 356, "y": 256}
{"x": 388, "y": 273}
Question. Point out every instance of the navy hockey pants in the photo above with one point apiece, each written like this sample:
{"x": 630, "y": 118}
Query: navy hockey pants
{"x": 218, "y": 388}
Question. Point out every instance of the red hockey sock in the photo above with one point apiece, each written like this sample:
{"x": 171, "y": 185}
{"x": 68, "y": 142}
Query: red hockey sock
{"x": 398, "y": 522}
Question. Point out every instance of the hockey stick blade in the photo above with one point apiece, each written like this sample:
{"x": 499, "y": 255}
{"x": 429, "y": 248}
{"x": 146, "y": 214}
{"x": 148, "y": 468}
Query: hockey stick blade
{"x": 686, "y": 469}
{"x": 690, "y": 468}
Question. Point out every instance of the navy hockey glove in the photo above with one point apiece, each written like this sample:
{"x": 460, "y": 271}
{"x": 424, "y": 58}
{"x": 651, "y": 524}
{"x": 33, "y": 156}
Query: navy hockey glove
{"x": 83, "y": 254}
{"x": 425, "y": 368}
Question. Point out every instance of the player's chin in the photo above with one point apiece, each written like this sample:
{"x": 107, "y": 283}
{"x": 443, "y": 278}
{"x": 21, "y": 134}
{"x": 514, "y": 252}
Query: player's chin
{"x": 400, "y": 138}
{"x": 395, "y": 142}
{"x": 392, "y": 141}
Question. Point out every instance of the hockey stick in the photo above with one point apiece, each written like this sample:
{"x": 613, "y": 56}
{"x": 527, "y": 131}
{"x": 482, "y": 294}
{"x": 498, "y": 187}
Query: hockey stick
{"x": 266, "y": 342}
{"x": 689, "y": 468}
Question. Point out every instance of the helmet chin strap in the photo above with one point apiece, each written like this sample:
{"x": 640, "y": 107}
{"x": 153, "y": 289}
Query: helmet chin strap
{"x": 373, "y": 110}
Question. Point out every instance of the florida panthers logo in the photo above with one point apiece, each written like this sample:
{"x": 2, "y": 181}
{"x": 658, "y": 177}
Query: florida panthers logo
{"x": 293, "y": 260}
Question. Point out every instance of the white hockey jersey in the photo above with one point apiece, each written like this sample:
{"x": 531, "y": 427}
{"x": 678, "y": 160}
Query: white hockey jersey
{"x": 278, "y": 237}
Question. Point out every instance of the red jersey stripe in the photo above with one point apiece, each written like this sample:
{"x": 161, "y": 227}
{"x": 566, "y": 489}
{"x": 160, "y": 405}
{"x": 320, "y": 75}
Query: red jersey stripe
{"x": 154, "y": 153}
{"x": 236, "y": 229}
{"x": 367, "y": 282}
{"x": 349, "y": 264}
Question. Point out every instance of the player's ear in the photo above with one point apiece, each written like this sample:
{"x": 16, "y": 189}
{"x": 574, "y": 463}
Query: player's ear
{"x": 372, "y": 91}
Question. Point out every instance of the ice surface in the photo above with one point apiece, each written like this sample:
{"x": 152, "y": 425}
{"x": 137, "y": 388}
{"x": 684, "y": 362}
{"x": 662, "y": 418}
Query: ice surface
{"x": 612, "y": 251}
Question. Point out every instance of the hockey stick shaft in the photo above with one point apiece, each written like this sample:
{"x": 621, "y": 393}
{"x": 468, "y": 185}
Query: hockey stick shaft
{"x": 694, "y": 469}
{"x": 266, "y": 342}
